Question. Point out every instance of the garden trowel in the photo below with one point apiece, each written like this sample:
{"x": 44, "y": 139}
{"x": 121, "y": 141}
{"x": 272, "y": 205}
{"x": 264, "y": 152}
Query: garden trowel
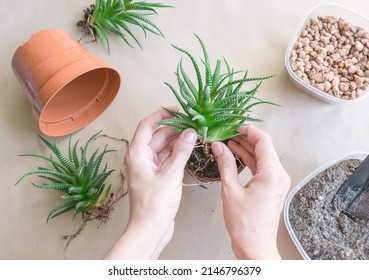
{"x": 354, "y": 194}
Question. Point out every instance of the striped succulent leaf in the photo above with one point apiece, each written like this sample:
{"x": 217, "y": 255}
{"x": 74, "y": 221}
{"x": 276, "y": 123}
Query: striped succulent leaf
{"x": 218, "y": 105}
{"x": 76, "y": 174}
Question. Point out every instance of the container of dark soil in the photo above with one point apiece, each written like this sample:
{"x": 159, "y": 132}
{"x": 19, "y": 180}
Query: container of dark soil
{"x": 316, "y": 219}
{"x": 67, "y": 86}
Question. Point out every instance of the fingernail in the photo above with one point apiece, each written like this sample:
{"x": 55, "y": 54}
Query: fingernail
{"x": 190, "y": 136}
{"x": 217, "y": 149}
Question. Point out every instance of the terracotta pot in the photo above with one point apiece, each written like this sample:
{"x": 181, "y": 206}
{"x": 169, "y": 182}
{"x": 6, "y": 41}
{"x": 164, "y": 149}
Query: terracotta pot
{"x": 205, "y": 168}
{"x": 67, "y": 86}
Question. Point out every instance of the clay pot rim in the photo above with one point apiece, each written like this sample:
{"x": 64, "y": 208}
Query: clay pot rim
{"x": 73, "y": 72}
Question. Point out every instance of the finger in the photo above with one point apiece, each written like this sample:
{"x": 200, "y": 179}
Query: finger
{"x": 246, "y": 157}
{"x": 226, "y": 164}
{"x": 164, "y": 154}
{"x": 147, "y": 126}
{"x": 161, "y": 138}
{"x": 261, "y": 144}
{"x": 252, "y": 135}
{"x": 242, "y": 140}
{"x": 182, "y": 149}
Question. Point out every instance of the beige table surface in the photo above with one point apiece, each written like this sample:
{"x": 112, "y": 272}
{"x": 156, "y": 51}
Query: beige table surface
{"x": 252, "y": 35}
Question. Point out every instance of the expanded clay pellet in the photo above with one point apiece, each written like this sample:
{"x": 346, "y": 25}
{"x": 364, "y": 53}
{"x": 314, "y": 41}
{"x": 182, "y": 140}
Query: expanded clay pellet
{"x": 333, "y": 56}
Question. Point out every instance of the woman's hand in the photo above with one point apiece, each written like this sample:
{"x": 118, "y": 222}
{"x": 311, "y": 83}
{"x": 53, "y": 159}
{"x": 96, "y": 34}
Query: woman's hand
{"x": 155, "y": 164}
{"x": 252, "y": 211}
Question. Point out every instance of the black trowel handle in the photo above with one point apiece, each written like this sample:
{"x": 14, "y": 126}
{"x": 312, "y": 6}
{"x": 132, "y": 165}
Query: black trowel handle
{"x": 355, "y": 184}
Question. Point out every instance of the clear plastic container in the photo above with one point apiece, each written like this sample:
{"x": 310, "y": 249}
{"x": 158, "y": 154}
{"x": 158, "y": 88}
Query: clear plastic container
{"x": 354, "y": 155}
{"x": 326, "y": 9}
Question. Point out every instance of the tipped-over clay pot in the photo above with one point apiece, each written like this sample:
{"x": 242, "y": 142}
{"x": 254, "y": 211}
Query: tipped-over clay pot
{"x": 67, "y": 86}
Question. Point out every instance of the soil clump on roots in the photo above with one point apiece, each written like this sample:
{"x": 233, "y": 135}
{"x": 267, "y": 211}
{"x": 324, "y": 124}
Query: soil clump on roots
{"x": 84, "y": 24}
{"x": 203, "y": 166}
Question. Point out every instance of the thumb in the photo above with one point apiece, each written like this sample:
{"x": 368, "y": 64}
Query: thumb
{"x": 182, "y": 148}
{"x": 226, "y": 164}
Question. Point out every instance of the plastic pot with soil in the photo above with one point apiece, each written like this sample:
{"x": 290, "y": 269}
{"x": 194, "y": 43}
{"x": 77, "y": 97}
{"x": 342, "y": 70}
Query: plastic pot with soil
{"x": 67, "y": 86}
{"x": 323, "y": 213}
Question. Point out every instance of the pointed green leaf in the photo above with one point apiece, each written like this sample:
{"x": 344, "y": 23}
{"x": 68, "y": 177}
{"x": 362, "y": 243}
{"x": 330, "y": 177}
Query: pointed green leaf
{"x": 216, "y": 75}
{"x": 62, "y": 208}
{"x": 179, "y": 120}
{"x": 188, "y": 82}
{"x": 52, "y": 161}
{"x": 55, "y": 186}
{"x": 196, "y": 67}
{"x": 176, "y": 113}
{"x": 180, "y": 101}
{"x": 63, "y": 177}
{"x": 208, "y": 75}
{"x": 62, "y": 158}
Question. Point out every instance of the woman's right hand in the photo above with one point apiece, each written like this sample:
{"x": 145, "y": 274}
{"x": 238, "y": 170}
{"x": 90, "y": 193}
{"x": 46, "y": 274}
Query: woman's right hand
{"x": 252, "y": 211}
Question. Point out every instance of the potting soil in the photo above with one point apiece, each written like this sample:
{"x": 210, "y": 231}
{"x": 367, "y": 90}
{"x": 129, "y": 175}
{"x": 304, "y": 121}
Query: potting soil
{"x": 320, "y": 223}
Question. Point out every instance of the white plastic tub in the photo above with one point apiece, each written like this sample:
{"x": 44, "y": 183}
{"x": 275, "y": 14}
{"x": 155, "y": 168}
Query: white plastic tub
{"x": 355, "y": 155}
{"x": 325, "y": 9}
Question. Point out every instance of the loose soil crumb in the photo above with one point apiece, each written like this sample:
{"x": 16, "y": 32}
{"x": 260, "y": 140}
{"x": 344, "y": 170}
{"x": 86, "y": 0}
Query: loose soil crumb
{"x": 319, "y": 222}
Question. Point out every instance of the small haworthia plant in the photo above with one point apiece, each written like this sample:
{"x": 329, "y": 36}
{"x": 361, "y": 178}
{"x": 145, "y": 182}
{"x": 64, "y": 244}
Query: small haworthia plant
{"x": 117, "y": 17}
{"x": 218, "y": 106}
{"x": 76, "y": 174}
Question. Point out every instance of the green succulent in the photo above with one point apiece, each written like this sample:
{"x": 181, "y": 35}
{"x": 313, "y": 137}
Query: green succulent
{"x": 117, "y": 17}
{"x": 75, "y": 174}
{"x": 218, "y": 106}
